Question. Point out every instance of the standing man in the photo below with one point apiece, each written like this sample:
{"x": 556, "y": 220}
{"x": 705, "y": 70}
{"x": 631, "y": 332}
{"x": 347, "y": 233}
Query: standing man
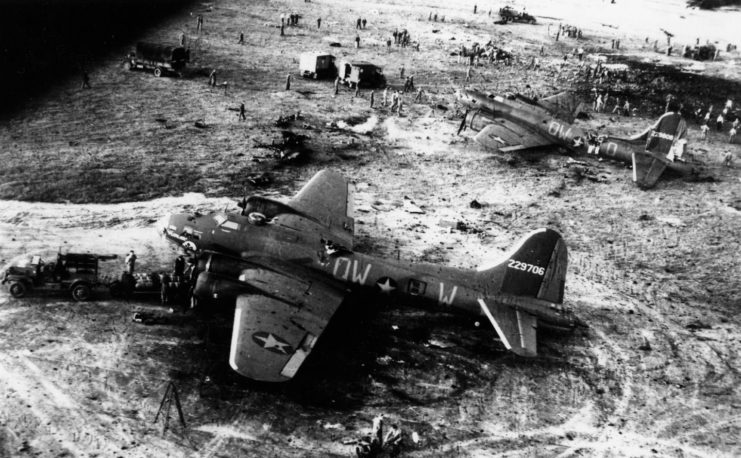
{"x": 398, "y": 106}
{"x": 337, "y": 85}
{"x": 719, "y": 122}
{"x": 180, "y": 264}
{"x": 418, "y": 98}
{"x": 130, "y": 262}
{"x": 357, "y": 41}
{"x": 85, "y": 81}
{"x": 288, "y": 82}
{"x": 401, "y": 72}
{"x": 199, "y": 23}
{"x": 357, "y": 90}
{"x": 212, "y": 78}
{"x": 474, "y": 8}
{"x": 385, "y": 96}
{"x": 357, "y": 24}
{"x": 388, "y": 45}
{"x": 241, "y": 38}
{"x": 319, "y": 23}
{"x": 372, "y": 98}
{"x": 242, "y": 117}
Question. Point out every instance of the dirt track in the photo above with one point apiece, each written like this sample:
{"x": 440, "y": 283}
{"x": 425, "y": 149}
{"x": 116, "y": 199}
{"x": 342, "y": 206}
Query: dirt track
{"x": 654, "y": 275}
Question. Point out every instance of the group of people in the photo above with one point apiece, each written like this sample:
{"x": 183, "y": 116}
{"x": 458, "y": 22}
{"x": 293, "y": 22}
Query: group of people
{"x": 724, "y": 117}
{"x": 360, "y": 23}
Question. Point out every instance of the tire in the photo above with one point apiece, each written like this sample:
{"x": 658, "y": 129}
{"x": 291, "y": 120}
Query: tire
{"x": 81, "y": 292}
{"x": 157, "y": 72}
{"x": 17, "y": 289}
{"x": 117, "y": 290}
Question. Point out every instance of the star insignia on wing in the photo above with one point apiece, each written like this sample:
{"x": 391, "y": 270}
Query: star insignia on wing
{"x": 386, "y": 285}
{"x": 270, "y": 342}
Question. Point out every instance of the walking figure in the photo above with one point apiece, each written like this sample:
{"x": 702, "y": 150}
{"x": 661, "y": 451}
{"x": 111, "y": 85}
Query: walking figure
{"x": 241, "y": 38}
{"x": 242, "y": 115}
{"x": 288, "y": 82}
{"x": 85, "y": 81}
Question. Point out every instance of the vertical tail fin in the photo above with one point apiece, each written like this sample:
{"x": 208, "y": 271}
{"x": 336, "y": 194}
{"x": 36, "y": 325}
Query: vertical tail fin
{"x": 534, "y": 267}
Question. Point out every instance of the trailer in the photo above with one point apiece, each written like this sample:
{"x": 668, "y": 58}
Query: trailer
{"x": 317, "y": 65}
{"x": 158, "y": 58}
{"x": 360, "y": 73}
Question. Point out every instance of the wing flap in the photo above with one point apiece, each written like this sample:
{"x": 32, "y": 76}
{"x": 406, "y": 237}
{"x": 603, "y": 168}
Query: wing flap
{"x": 506, "y": 136}
{"x": 516, "y": 329}
{"x": 271, "y": 338}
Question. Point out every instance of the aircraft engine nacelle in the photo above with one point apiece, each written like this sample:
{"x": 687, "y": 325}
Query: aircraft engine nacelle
{"x": 212, "y": 287}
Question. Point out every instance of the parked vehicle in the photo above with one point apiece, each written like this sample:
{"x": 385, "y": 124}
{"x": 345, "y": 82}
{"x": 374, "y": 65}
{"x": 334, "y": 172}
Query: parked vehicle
{"x": 360, "y": 73}
{"x": 76, "y": 273}
{"x": 317, "y": 65}
{"x": 159, "y": 59}
{"x": 508, "y": 14}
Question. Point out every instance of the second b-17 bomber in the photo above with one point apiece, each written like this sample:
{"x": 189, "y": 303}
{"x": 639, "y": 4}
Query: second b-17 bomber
{"x": 519, "y": 124}
{"x": 288, "y": 267}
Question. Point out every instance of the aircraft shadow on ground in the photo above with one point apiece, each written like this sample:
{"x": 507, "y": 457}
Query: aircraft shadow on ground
{"x": 45, "y": 42}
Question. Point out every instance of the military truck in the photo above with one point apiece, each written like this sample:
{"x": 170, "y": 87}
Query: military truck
{"x": 359, "y": 73}
{"x": 158, "y": 58}
{"x": 317, "y": 65}
{"x": 508, "y": 14}
{"x": 76, "y": 273}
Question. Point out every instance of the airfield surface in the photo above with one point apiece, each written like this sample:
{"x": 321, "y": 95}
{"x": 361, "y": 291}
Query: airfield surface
{"x": 655, "y": 275}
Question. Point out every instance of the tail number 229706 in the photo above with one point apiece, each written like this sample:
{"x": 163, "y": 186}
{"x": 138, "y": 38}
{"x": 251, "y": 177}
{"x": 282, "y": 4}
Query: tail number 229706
{"x": 526, "y": 267}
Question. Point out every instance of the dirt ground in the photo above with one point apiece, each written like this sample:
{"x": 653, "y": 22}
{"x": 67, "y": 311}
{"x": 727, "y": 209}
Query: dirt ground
{"x": 654, "y": 275}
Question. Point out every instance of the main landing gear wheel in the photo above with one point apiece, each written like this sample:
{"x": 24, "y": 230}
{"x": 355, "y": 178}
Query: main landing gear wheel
{"x": 157, "y": 72}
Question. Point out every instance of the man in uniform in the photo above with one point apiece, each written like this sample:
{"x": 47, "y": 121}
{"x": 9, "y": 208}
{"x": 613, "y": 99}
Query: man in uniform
{"x": 130, "y": 262}
{"x": 180, "y": 264}
{"x": 242, "y": 117}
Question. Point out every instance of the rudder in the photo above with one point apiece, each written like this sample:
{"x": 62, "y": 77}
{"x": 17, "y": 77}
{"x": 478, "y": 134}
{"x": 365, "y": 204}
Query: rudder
{"x": 534, "y": 267}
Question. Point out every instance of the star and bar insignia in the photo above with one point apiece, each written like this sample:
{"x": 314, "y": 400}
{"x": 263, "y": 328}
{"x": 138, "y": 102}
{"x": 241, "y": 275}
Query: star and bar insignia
{"x": 271, "y": 342}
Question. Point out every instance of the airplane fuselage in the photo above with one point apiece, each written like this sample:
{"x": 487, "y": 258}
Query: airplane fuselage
{"x": 558, "y": 131}
{"x": 306, "y": 245}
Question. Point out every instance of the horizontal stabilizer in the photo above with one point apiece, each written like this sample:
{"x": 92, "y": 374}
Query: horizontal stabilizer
{"x": 516, "y": 329}
{"x": 647, "y": 169}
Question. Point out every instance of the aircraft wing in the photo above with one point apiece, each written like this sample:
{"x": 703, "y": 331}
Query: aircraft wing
{"x": 563, "y": 105}
{"x": 271, "y": 338}
{"x": 326, "y": 197}
{"x": 506, "y": 136}
{"x": 517, "y": 329}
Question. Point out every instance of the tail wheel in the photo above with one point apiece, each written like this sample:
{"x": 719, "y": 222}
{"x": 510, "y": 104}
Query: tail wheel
{"x": 157, "y": 72}
{"x": 17, "y": 289}
{"x": 81, "y": 293}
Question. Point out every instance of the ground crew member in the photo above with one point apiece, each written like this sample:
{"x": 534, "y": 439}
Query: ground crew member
{"x": 130, "y": 262}
{"x": 617, "y": 106}
{"x": 388, "y": 45}
{"x": 85, "y": 81}
{"x": 385, "y": 96}
{"x": 241, "y": 38}
{"x": 357, "y": 90}
{"x": 474, "y": 8}
{"x": 732, "y": 135}
{"x": 719, "y": 122}
{"x": 212, "y": 78}
{"x": 164, "y": 288}
{"x": 242, "y": 117}
{"x": 319, "y": 23}
{"x": 182, "y": 39}
{"x": 401, "y": 72}
{"x": 337, "y": 85}
{"x": 282, "y": 33}
{"x": 392, "y": 439}
{"x": 704, "y": 132}
{"x": 357, "y": 40}
{"x": 180, "y": 263}
{"x": 626, "y": 108}
{"x": 377, "y": 436}
{"x": 364, "y": 22}
{"x": 398, "y": 106}
{"x": 288, "y": 82}
{"x": 394, "y": 100}
{"x": 418, "y": 98}
{"x": 468, "y": 74}
{"x": 372, "y": 98}
{"x": 357, "y": 24}
{"x": 199, "y": 23}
